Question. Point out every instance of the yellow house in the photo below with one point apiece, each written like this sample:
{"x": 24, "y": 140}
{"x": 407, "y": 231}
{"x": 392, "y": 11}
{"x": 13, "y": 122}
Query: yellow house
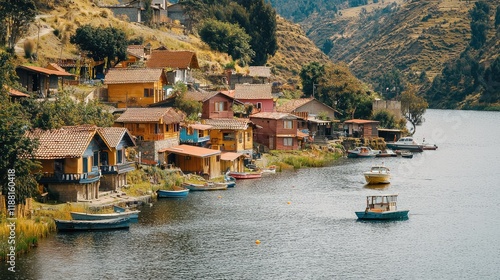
{"x": 135, "y": 87}
{"x": 231, "y": 135}
{"x": 192, "y": 159}
{"x": 154, "y": 128}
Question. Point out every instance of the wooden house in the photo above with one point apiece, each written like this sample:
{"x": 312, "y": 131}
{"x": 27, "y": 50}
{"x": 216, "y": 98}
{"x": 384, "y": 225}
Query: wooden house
{"x": 232, "y": 161}
{"x": 260, "y": 95}
{"x": 231, "y": 135}
{"x": 135, "y": 87}
{"x": 178, "y": 63}
{"x": 195, "y": 134}
{"x": 278, "y": 132}
{"x": 135, "y": 54}
{"x": 154, "y": 128}
{"x": 192, "y": 159}
{"x": 112, "y": 160}
{"x": 215, "y": 105}
{"x": 361, "y": 128}
{"x": 40, "y": 80}
{"x": 316, "y": 118}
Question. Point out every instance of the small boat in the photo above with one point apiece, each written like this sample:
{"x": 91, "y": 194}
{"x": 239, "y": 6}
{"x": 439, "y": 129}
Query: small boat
{"x": 378, "y": 174}
{"x": 245, "y": 175}
{"x": 271, "y": 169}
{"x": 361, "y": 152}
{"x": 173, "y": 193}
{"x": 406, "y": 143}
{"x": 130, "y": 214}
{"x": 406, "y": 154}
{"x": 210, "y": 186}
{"x": 230, "y": 180}
{"x": 78, "y": 225}
{"x": 382, "y": 207}
{"x": 386, "y": 153}
{"x": 428, "y": 146}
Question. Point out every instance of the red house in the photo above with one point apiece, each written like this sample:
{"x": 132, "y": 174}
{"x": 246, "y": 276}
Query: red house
{"x": 257, "y": 94}
{"x": 216, "y": 105}
{"x": 278, "y": 132}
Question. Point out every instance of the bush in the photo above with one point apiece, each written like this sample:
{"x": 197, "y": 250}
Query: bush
{"x": 29, "y": 47}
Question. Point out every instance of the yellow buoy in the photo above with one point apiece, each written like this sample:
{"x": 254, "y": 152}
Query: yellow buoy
{"x": 220, "y": 196}
{"x": 289, "y": 202}
{"x": 257, "y": 241}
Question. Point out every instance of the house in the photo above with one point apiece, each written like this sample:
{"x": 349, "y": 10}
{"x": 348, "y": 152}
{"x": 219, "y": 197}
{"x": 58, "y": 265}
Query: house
{"x": 135, "y": 87}
{"x": 232, "y": 161}
{"x": 195, "y": 134}
{"x": 361, "y": 128}
{"x": 15, "y": 94}
{"x": 134, "y": 10}
{"x": 40, "y": 80}
{"x": 231, "y": 135}
{"x": 154, "y": 128}
{"x": 179, "y": 63}
{"x": 278, "y": 131}
{"x": 135, "y": 54}
{"x": 192, "y": 159}
{"x": 215, "y": 105}
{"x": 318, "y": 119}
{"x": 259, "y": 95}
{"x": 255, "y": 75}
{"x": 112, "y": 161}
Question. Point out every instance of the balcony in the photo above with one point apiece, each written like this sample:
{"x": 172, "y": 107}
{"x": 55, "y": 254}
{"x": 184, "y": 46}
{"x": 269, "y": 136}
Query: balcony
{"x": 117, "y": 169}
{"x": 79, "y": 178}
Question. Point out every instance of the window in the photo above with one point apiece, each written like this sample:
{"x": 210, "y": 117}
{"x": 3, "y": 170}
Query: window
{"x": 157, "y": 128}
{"x": 259, "y": 105}
{"x": 220, "y": 106}
{"x": 149, "y": 92}
{"x": 227, "y": 136}
{"x": 217, "y": 158}
{"x": 119, "y": 156}
{"x": 95, "y": 161}
{"x": 85, "y": 165}
{"x": 190, "y": 131}
{"x": 287, "y": 141}
{"x": 287, "y": 124}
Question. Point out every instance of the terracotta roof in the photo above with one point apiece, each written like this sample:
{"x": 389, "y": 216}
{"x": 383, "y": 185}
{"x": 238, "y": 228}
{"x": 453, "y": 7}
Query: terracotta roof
{"x": 229, "y": 93}
{"x": 113, "y": 135}
{"x": 133, "y": 75}
{"x": 235, "y": 124}
{"x": 54, "y": 66}
{"x": 252, "y": 91}
{"x": 293, "y": 104}
{"x": 44, "y": 70}
{"x": 200, "y": 126}
{"x": 67, "y": 142}
{"x": 230, "y": 156}
{"x": 199, "y": 96}
{"x": 274, "y": 116}
{"x": 191, "y": 151}
{"x": 15, "y": 93}
{"x": 259, "y": 71}
{"x": 144, "y": 115}
{"x": 173, "y": 59}
{"x": 359, "y": 121}
{"x": 136, "y": 50}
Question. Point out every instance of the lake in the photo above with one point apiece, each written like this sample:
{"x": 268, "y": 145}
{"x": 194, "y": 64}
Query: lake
{"x": 306, "y": 225}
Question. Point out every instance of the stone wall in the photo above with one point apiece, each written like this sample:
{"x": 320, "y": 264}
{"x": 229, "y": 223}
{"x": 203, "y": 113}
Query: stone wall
{"x": 389, "y": 105}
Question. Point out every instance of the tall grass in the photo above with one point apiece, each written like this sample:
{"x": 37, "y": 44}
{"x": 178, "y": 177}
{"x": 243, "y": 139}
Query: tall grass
{"x": 300, "y": 159}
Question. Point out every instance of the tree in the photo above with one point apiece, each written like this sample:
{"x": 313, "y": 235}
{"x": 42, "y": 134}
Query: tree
{"x": 101, "y": 43}
{"x": 385, "y": 118}
{"x": 479, "y": 23}
{"x": 497, "y": 17}
{"x": 413, "y": 107}
{"x": 16, "y": 16}
{"x": 310, "y": 75}
{"x": 148, "y": 12}
{"x": 191, "y": 107}
{"x": 262, "y": 30}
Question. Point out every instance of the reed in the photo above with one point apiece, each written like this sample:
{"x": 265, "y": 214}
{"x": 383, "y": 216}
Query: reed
{"x": 300, "y": 159}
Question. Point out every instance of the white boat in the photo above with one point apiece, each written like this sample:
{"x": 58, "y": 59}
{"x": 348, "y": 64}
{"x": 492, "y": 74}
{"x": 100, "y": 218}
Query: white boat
{"x": 382, "y": 207}
{"x": 406, "y": 143}
{"x": 362, "y": 152}
{"x": 80, "y": 216}
{"x": 378, "y": 174}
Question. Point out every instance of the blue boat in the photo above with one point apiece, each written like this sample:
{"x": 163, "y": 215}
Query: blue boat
{"x": 173, "y": 193}
{"x": 89, "y": 225}
{"x": 382, "y": 207}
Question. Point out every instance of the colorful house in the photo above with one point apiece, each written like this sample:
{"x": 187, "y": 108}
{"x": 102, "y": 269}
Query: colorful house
{"x": 361, "y": 128}
{"x": 192, "y": 159}
{"x": 215, "y": 105}
{"x": 260, "y": 95}
{"x": 40, "y": 80}
{"x": 231, "y": 135}
{"x": 179, "y": 63}
{"x": 154, "y": 128}
{"x": 232, "y": 161}
{"x": 278, "y": 130}
{"x": 135, "y": 87}
{"x": 195, "y": 134}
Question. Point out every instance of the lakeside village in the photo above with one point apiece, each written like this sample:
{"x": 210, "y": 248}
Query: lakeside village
{"x": 153, "y": 146}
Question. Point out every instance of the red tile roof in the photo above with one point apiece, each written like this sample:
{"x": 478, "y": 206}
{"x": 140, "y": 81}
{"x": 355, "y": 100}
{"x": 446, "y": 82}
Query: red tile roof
{"x": 133, "y": 75}
{"x": 293, "y": 104}
{"x": 114, "y": 135}
{"x": 191, "y": 151}
{"x": 235, "y": 124}
{"x": 173, "y": 59}
{"x": 145, "y": 115}
{"x": 199, "y": 96}
{"x": 274, "y": 116}
{"x": 15, "y": 93}
{"x": 253, "y": 91}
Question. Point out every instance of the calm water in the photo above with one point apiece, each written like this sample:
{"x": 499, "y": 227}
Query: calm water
{"x": 306, "y": 223}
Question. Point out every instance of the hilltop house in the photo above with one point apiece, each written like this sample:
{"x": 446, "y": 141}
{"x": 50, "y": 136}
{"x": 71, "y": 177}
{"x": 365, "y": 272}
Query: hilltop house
{"x": 179, "y": 64}
{"x": 134, "y": 10}
{"x": 194, "y": 159}
{"x": 135, "y": 87}
{"x": 260, "y": 95}
{"x": 40, "y": 80}
{"x": 154, "y": 128}
{"x": 278, "y": 132}
{"x": 231, "y": 135}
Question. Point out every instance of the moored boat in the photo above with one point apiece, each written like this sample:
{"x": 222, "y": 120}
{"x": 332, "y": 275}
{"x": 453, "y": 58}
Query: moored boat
{"x": 176, "y": 193}
{"x": 204, "y": 187}
{"x": 245, "y": 175}
{"x": 382, "y": 207}
{"x": 386, "y": 153}
{"x": 378, "y": 174}
{"x": 361, "y": 152}
{"x": 83, "y": 225}
{"x": 130, "y": 214}
{"x": 406, "y": 143}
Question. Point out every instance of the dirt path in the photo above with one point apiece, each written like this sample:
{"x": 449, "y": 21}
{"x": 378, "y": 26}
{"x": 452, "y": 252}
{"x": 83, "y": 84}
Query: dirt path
{"x": 34, "y": 34}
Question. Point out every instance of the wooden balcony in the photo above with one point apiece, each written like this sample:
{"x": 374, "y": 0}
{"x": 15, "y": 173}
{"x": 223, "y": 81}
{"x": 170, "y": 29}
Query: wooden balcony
{"x": 80, "y": 178}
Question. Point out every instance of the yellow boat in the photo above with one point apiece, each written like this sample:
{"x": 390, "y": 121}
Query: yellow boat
{"x": 378, "y": 174}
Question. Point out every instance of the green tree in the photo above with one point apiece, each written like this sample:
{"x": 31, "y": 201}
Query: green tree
{"x": 385, "y": 118}
{"x": 413, "y": 107}
{"x": 16, "y": 16}
{"x": 497, "y": 17}
{"x": 262, "y": 30}
{"x": 191, "y": 107}
{"x": 310, "y": 75}
{"x": 101, "y": 43}
{"x": 479, "y": 23}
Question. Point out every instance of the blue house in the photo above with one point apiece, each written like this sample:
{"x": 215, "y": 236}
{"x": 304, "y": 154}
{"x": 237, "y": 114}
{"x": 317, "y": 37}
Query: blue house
{"x": 195, "y": 134}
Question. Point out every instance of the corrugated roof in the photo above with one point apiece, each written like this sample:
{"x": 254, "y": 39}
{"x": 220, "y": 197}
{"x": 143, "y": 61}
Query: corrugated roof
{"x": 274, "y": 116}
{"x": 133, "y": 75}
{"x": 253, "y": 91}
{"x": 230, "y": 156}
{"x": 235, "y": 124}
{"x": 173, "y": 59}
{"x": 191, "y": 151}
{"x": 293, "y": 104}
{"x": 360, "y": 121}
{"x": 144, "y": 115}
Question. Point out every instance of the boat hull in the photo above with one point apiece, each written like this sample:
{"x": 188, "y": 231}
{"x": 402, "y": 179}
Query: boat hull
{"x": 412, "y": 148}
{"x": 377, "y": 178}
{"x": 386, "y": 215}
{"x": 174, "y": 194}
{"x": 95, "y": 217}
{"x": 208, "y": 187}
{"x": 89, "y": 225}
{"x": 244, "y": 175}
